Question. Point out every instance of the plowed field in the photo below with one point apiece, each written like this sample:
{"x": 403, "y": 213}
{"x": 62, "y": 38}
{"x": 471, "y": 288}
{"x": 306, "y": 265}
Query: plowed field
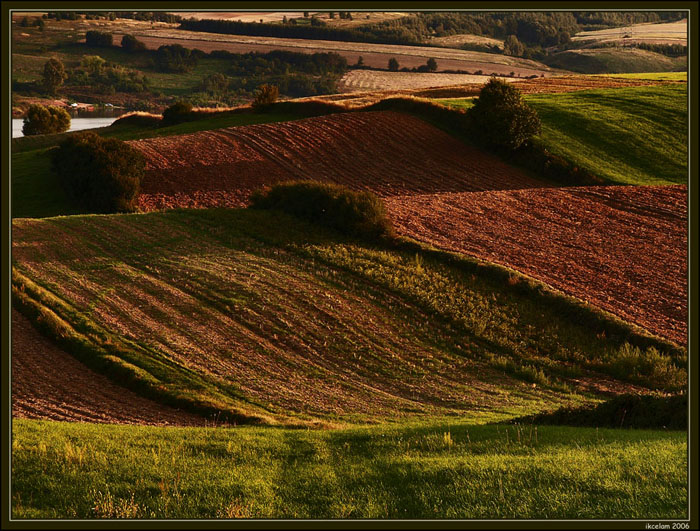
{"x": 48, "y": 383}
{"x": 620, "y": 248}
{"x": 451, "y": 88}
{"x": 388, "y": 153}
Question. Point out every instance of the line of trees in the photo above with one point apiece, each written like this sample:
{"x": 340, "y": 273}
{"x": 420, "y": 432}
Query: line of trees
{"x": 532, "y": 29}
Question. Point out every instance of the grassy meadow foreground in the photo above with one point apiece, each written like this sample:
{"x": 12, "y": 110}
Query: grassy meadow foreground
{"x": 438, "y": 470}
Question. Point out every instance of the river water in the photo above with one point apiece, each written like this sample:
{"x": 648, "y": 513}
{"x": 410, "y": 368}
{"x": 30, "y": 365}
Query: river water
{"x": 76, "y": 124}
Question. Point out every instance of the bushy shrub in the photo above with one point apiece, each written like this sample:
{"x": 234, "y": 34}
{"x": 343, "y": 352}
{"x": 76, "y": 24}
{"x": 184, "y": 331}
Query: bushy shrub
{"x": 176, "y": 58}
{"x": 177, "y": 113}
{"x": 132, "y": 44}
{"x": 501, "y": 119}
{"x": 42, "y": 120}
{"x": 265, "y": 96}
{"x": 98, "y": 38}
{"x": 99, "y": 174}
{"x": 359, "y": 214}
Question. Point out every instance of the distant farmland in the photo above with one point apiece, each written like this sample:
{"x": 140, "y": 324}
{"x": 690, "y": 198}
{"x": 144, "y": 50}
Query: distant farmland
{"x": 374, "y": 55}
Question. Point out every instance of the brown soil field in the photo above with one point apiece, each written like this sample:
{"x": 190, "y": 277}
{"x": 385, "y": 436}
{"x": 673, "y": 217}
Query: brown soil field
{"x": 526, "y": 86}
{"x": 48, "y": 383}
{"x": 623, "y": 249}
{"x": 665, "y": 33}
{"x": 371, "y": 80}
{"x": 374, "y": 55}
{"x": 406, "y": 155}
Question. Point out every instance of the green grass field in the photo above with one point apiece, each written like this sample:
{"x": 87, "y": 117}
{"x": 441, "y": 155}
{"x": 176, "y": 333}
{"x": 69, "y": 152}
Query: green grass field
{"x": 614, "y": 60}
{"x": 635, "y": 135}
{"x": 447, "y": 470}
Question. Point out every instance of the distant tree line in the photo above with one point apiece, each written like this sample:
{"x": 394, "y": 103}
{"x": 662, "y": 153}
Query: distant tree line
{"x": 534, "y": 30}
{"x": 153, "y": 16}
{"x": 669, "y": 50}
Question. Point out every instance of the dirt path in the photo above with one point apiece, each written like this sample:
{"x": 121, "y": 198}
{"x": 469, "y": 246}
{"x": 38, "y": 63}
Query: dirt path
{"x": 48, "y": 383}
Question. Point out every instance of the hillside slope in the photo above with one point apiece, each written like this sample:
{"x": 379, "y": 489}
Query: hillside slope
{"x": 387, "y": 152}
{"x": 267, "y": 319}
{"x": 623, "y": 249}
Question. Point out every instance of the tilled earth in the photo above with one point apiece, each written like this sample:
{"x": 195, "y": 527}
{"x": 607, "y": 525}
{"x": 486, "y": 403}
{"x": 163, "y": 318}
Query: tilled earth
{"x": 386, "y": 152}
{"x": 48, "y": 383}
{"x": 621, "y": 248}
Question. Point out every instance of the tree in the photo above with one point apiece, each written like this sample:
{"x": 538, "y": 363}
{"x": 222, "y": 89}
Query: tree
{"x": 432, "y": 64}
{"x": 360, "y": 61}
{"x": 178, "y": 112}
{"x": 216, "y": 83}
{"x": 512, "y": 46}
{"x": 93, "y": 64}
{"x": 99, "y": 38}
{"x": 501, "y": 119}
{"x": 41, "y": 120}
{"x": 132, "y": 44}
{"x": 99, "y": 174}
{"x": 54, "y": 75}
{"x": 393, "y": 65}
{"x": 265, "y": 96}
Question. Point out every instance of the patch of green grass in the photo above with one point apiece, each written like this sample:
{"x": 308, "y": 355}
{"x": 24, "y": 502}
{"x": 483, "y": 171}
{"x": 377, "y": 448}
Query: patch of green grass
{"x": 635, "y": 135}
{"x": 658, "y": 76}
{"x": 437, "y": 470}
{"x": 614, "y": 60}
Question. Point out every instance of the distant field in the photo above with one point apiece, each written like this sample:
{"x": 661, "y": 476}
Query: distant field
{"x": 448, "y": 470}
{"x": 370, "y": 80}
{"x": 664, "y": 33}
{"x": 374, "y": 55}
{"x": 456, "y": 41}
{"x": 668, "y": 76}
{"x": 635, "y": 135}
{"x": 615, "y": 60}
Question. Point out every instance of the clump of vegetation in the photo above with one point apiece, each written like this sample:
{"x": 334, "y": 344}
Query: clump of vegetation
{"x": 624, "y": 411}
{"x": 107, "y": 77}
{"x": 177, "y": 113}
{"x": 53, "y": 75}
{"x": 501, "y": 119}
{"x": 132, "y": 44}
{"x": 100, "y": 174}
{"x": 358, "y": 214}
{"x": 393, "y": 65}
{"x": 42, "y": 120}
{"x": 265, "y": 96}
{"x": 100, "y": 39}
{"x": 176, "y": 58}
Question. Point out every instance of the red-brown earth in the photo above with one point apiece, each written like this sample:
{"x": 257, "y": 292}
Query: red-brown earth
{"x": 621, "y": 248}
{"x": 48, "y": 383}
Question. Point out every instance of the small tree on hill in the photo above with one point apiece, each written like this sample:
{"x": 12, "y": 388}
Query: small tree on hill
{"x": 432, "y": 64}
{"x": 54, "y": 75}
{"x": 393, "y": 65}
{"x": 512, "y": 46}
{"x": 177, "y": 113}
{"x": 42, "y": 120}
{"x": 501, "y": 119}
{"x": 265, "y": 96}
{"x": 132, "y": 44}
